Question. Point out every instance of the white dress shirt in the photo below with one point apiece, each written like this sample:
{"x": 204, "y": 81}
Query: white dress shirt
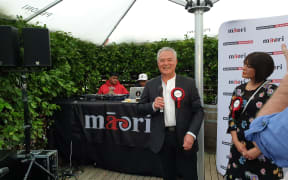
{"x": 169, "y": 104}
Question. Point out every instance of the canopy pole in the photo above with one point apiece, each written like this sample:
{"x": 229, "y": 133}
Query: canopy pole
{"x": 199, "y": 83}
{"x": 106, "y": 39}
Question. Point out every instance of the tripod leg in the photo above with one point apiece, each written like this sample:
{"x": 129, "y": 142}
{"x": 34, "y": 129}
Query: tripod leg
{"x": 29, "y": 169}
{"x": 44, "y": 169}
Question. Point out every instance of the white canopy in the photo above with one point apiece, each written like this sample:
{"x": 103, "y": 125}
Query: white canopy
{"x": 91, "y": 20}
{"x": 147, "y": 20}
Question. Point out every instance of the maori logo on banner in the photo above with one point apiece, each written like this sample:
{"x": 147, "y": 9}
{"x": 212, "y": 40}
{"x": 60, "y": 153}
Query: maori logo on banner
{"x": 272, "y": 26}
{"x": 237, "y": 56}
{"x": 237, "y": 81}
{"x": 115, "y": 123}
{"x": 237, "y": 42}
{"x": 278, "y": 67}
{"x": 237, "y": 30}
{"x": 274, "y": 40}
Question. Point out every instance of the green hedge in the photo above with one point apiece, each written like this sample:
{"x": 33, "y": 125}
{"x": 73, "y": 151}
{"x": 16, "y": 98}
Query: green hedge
{"x": 80, "y": 67}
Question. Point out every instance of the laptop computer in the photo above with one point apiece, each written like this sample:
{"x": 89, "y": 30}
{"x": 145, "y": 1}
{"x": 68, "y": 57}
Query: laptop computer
{"x": 136, "y": 92}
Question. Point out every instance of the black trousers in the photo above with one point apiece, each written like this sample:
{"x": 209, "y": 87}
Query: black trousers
{"x": 176, "y": 160}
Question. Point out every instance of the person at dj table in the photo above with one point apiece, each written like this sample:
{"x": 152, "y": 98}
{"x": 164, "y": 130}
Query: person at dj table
{"x": 142, "y": 80}
{"x": 112, "y": 86}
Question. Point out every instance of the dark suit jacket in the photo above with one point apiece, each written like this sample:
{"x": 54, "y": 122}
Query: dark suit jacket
{"x": 189, "y": 116}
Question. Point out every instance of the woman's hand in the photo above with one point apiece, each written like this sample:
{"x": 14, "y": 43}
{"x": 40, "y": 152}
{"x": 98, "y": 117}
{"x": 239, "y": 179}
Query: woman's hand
{"x": 252, "y": 153}
{"x": 241, "y": 147}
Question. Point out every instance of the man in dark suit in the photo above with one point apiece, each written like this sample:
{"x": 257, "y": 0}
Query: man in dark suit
{"x": 174, "y": 104}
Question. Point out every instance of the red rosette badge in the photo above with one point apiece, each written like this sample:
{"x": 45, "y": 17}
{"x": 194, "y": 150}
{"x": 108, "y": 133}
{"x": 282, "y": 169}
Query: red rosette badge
{"x": 177, "y": 95}
{"x": 236, "y": 105}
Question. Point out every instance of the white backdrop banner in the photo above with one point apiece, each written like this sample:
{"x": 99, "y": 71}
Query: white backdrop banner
{"x": 236, "y": 40}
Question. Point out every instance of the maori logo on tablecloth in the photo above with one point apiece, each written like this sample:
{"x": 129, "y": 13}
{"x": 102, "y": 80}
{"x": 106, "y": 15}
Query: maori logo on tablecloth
{"x": 123, "y": 123}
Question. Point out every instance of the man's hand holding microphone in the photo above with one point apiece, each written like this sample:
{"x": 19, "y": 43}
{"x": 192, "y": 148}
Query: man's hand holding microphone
{"x": 159, "y": 101}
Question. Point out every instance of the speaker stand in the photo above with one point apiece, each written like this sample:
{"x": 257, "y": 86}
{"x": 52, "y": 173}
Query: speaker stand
{"x": 27, "y": 132}
{"x": 30, "y": 157}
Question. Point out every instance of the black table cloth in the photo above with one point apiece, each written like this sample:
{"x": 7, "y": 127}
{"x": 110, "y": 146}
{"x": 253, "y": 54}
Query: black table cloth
{"x": 110, "y": 134}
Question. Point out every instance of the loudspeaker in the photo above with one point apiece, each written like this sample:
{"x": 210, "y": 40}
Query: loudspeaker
{"x": 9, "y": 46}
{"x": 36, "y": 43}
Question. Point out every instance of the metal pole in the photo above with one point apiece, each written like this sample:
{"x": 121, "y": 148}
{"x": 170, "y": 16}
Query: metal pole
{"x": 27, "y": 121}
{"x": 42, "y": 10}
{"x": 199, "y": 83}
{"x": 106, "y": 39}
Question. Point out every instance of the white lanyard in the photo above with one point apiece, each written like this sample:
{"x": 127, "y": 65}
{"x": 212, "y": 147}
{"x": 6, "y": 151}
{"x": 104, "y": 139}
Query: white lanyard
{"x": 253, "y": 96}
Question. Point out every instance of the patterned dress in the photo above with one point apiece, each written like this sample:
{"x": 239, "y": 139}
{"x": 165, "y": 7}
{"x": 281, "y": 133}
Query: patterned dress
{"x": 240, "y": 168}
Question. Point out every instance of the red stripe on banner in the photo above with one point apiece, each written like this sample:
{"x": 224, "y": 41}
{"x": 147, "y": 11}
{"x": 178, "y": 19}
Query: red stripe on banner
{"x": 281, "y": 25}
{"x": 277, "y": 52}
{"x": 276, "y": 80}
{"x": 245, "y": 42}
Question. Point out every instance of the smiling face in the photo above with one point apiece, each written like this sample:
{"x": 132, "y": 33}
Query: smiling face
{"x": 167, "y": 63}
{"x": 113, "y": 80}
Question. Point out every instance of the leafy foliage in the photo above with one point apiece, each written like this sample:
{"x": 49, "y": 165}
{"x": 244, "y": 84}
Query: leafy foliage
{"x": 80, "y": 67}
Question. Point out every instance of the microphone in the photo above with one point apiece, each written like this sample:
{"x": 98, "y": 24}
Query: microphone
{"x": 160, "y": 94}
{"x": 4, "y": 171}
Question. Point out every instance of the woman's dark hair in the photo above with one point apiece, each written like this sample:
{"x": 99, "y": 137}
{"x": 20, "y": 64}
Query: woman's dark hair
{"x": 262, "y": 63}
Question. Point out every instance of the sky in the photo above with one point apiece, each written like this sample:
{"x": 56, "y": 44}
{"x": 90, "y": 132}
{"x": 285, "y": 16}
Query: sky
{"x": 147, "y": 20}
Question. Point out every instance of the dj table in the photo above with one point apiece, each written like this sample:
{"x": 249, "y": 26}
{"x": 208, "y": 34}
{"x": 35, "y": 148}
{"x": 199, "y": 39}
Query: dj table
{"x": 107, "y": 133}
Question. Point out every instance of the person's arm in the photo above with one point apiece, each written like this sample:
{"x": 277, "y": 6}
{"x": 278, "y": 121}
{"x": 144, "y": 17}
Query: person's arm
{"x": 239, "y": 145}
{"x": 275, "y": 104}
{"x": 145, "y": 105}
{"x": 232, "y": 128}
{"x": 124, "y": 90}
{"x": 196, "y": 109}
{"x": 198, "y": 116}
{"x": 100, "y": 90}
{"x": 278, "y": 102}
{"x": 252, "y": 153}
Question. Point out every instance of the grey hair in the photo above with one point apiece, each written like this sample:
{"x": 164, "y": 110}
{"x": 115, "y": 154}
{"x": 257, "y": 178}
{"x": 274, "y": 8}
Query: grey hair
{"x": 166, "y": 49}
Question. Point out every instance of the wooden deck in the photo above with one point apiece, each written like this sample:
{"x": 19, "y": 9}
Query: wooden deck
{"x": 92, "y": 173}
